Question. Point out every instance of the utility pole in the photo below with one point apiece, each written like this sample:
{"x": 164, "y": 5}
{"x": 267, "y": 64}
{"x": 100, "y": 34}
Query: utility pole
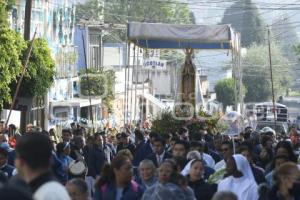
{"x": 271, "y": 73}
{"x": 28, "y": 8}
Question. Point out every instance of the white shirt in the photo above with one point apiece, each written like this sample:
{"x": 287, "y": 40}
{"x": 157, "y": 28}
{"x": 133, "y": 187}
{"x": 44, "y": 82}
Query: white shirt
{"x": 51, "y": 191}
{"x": 244, "y": 188}
{"x": 220, "y": 165}
{"x": 160, "y": 158}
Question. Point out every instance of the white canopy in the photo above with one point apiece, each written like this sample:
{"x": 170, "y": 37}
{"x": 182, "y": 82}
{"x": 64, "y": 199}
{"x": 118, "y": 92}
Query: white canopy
{"x": 170, "y": 36}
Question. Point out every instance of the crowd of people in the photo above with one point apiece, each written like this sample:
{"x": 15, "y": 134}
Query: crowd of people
{"x": 143, "y": 164}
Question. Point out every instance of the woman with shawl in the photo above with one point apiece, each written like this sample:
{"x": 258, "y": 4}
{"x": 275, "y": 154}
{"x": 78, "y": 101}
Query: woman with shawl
{"x": 240, "y": 179}
{"x": 170, "y": 185}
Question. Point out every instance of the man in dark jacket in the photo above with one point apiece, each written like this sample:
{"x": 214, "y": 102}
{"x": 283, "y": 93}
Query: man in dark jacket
{"x": 160, "y": 154}
{"x": 95, "y": 157}
{"x": 146, "y": 149}
{"x": 257, "y": 171}
{"x": 126, "y": 143}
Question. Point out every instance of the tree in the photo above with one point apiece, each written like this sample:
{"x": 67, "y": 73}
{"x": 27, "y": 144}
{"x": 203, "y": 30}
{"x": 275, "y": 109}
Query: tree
{"x": 124, "y": 11}
{"x": 244, "y": 17}
{"x": 40, "y": 72}
{"x": 5, "y": 7}
{"x": 256, "y": 73}
{"x": 101, "y": 84}
{"x": 284, "y": 32}
{"x": 11, "y": 49}
{"x": 225, "y": 92}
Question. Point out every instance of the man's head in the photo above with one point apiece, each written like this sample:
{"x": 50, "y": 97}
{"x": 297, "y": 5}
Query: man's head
{"x": 180, "y": 149}
{"x": 246, "y": 152}
{"x": 66, "y": 135}
{"x": 183, "y": 134}
{"x": 139, "y": 136}
{"x": 159, "y": 145}
{"x": 104, "y": 137}
{"x": 227, "y": 149}
{"x": 29, "y": 128}
{"x": 33, "y": 153}
{"x": 125, "y": 138}
{"x": 152, "y": 136}
{"x": 98, "y": 140}
{"x": 78, "y": 142}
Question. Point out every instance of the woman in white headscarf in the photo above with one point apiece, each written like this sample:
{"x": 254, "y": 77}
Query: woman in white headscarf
{"x": 240, "y": 179}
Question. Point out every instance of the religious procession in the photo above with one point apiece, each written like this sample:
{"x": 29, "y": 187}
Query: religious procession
{"x": 149, "y": 100}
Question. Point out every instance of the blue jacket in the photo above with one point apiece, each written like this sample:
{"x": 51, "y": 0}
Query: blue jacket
{"x": 7, "y": 170}
{"x": 109, "y": 191}
{"x": 95, "y": 160}
{"x": 142, "y": 153}
{"x": 63, "y": 170}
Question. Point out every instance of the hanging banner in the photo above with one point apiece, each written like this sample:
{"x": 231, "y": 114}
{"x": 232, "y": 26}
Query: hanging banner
{"x": 155, "y": 64}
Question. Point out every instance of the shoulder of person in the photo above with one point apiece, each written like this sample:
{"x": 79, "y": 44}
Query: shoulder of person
{"x": 51, "y": 191}
{"x": 223, "y": 184}
{"x": 189, "y": 193}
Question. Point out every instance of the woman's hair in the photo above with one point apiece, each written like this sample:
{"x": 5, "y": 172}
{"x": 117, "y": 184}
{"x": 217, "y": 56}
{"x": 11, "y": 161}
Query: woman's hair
{"x": 264, "y": 140}
{"x": 284, "y": 170}
{"x": 80, "y": 185}
{"x": 277, "y": 158}
{"x": 173, "y": 165}
{"x": 126, "y": 152}
{"x": 179, "y": 179}
{"x": 197, "y": 160}
{"x": 60, "y": 147}
{"x": 288, "y": 146}
{"x": 107, "y": 174}
{"x": 147, "y": 163}
{"x": 224, "y": 195}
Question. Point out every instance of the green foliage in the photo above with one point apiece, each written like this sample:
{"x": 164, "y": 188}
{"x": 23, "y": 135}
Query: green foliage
{"x": 5, "y": 6}
{"x": 166, "y": 123}
{"x": 40, "y": 72}
{"x": 124, "y": 11}
{"x": 101, "y": 83}
{"x": 13, "y": 51}
{"x": 286, "y": 35}
{"x": 225, "y": 92}
{"x": 244, "y": 17}
{"x": 11, "y": 48}
{"x": 91, "y": 10}
{"x": 256, "y": 73}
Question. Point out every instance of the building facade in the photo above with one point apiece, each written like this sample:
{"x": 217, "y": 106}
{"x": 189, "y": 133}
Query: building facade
{"x": 54, "y": 20}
